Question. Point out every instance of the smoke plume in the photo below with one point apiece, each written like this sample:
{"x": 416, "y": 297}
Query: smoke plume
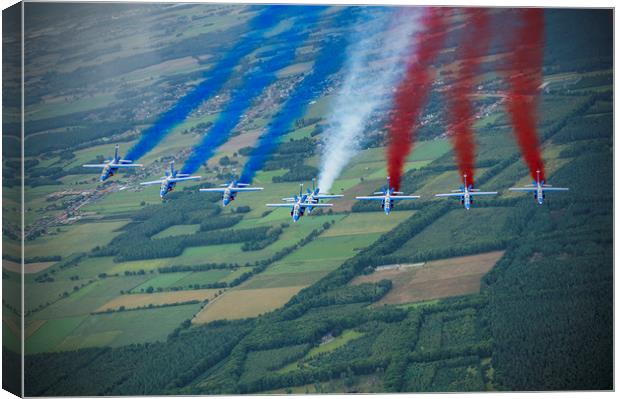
{"x": 524, "y": 80}
{"x": 413, "y": 90}
{"x": 367, "y": 89}
{"x": 473, "y": 45}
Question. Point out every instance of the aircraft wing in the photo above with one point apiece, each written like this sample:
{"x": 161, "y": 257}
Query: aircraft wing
{"x": 238, "y": 189}
{"x": 307, "y": 205}
{"x": 177, "y": 179}
{"x": 370, "y": 198}
{"x": 483, "y": 193}
{"x": 280, "y": 205}
{"x": 212, "y": 190}
{"x": 555, "y": 189}
{"x": 405, "y": 197}
{"x": 459, "y": 194}
{"x": 150, "y": 183}
{"x": 97, "y": 165}
{"x": 522, "y": 189}
{"x": 128, "y": 165}
{"x": 328, "y": 196}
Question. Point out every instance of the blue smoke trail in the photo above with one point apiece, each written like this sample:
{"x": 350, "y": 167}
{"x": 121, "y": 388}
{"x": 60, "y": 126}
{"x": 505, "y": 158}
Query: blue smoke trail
{"x": 330, "y": 59}
{"x": 267, "y": 18}
{"x": 254, "y": 83}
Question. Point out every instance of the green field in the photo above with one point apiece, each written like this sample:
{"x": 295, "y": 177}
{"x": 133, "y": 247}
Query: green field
{"x": 114, "y": 329}
{"x": 207, "y": 277}
{"x": 178, "y": 230}
{"x": 75, "y": 238}
{"x": 124, "y": 201}
{"x": 184, "y": 279}
{"x": 88, "y": 268}
{"x": 60, "y": 107}
{"x": 51, "y": 334}
{"x": 332, "y": 248}
{"x": 312, "y": 261}
{"x": 459, "y": 227}
{"x": 161, "y": 280}
{"x": 38, "y": 294}
{"x": 366, "y": 222}
{"x": 90, "y": 297}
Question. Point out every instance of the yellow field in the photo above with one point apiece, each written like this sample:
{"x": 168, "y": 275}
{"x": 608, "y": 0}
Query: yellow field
{"x": 437, "y": 279}
{"x": 237, "y": 304}
{"x": 159, "y": 298}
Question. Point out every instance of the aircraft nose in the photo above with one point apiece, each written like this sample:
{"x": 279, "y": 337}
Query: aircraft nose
{"x": 226, "y": 202}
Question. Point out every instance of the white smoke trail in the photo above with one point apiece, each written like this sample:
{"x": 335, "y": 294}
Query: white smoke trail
{"x": 366, "y": 89}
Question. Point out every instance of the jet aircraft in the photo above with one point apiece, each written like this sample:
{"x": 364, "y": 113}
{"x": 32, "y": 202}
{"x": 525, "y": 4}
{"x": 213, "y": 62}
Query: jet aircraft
{"x": 110, "y": 167}
{"x": 466, "y": 192}
{"x": 299, "y": 205}
{"x": 170, "y": 180}
{"x": 313, "y": 196}
{"x": 387, "y": 196}
{"x": 229, "y": 190}
{"x": 538, "y": 187}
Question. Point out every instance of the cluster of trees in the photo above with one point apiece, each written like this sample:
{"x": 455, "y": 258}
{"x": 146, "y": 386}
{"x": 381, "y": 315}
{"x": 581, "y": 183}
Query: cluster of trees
{"x": 153, "y": 368}
{"x": 551, "y": 293}
{"x": 291, "y": 155}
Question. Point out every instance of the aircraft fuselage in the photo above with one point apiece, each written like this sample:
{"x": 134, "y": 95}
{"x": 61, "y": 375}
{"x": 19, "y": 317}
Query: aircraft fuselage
{"x": 297, "y": 212}
{"x": 166, "y": 187}
{"x": 227, "y": 197}
{"x": 387, "y": 203}
{"x": 540, "y": 194}
{"x": 466, "y": 200}
{"x": 108, "y": 171}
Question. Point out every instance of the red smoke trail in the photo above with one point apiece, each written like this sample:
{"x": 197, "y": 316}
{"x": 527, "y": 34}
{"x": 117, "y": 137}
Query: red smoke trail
{"x": 524, "y": 79}
{"x": 472, "y": 46}
{"x": 412, "y": 91}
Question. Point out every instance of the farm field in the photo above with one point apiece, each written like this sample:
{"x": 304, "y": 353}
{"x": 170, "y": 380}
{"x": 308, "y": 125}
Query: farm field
{"x": 178, "y": 230}
{"x": 459, "y": 227}
{"x": 133, "y": 301}
{"x": 238, "y": 303}
{"x": 120, "y": 328}
{"x": 70, "y": 238}
{"x": 433, "y": 280}
{"x": 88, "y": 298}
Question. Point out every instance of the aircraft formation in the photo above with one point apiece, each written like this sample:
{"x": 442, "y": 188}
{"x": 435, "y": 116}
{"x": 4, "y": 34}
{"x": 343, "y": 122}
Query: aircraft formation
{"x": 301, "y": 203}
{"x": 414, "y": 40}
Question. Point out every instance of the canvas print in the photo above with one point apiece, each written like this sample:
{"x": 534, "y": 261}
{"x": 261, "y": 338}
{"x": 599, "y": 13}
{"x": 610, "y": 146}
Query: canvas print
{"x": 290, "y": 199}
